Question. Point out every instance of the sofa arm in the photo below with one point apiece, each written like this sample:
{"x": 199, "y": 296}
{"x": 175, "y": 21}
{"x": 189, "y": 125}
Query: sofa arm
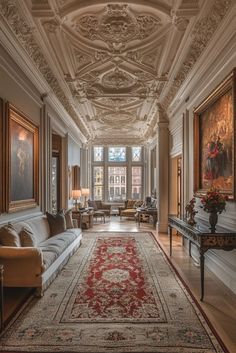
{"x": 120, "y": 208}
{"x": 20, "y": 263}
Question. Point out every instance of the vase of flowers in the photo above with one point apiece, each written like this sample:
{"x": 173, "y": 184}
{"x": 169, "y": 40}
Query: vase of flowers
{"x": 214, "y": 202}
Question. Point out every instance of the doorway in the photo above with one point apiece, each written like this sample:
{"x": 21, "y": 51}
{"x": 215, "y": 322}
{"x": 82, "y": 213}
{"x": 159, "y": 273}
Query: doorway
{"x": 175, "y": 198}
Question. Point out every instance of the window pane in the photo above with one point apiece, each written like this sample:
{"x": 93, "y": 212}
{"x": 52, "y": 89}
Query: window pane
{"x": 137, "y": 183}
{"x": 136, "y": 154}
{"x": 98, "y": 180}
{"x": 117, "y": 154}
{"x": 98, "y": 154}
{"x": 117, "y": 183}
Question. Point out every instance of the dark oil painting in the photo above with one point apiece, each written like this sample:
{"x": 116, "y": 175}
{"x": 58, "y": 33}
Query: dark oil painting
{"x": 216, "y": 144}
{"x": 21, "y": 162}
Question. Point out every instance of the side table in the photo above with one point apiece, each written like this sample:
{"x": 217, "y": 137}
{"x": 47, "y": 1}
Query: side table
{"x": 87, "y": 220}
{"x": 1, "y": 297}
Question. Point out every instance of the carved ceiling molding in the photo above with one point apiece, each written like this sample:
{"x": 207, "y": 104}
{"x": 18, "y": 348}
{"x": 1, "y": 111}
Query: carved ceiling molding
{"x": 23, "y": 32}
{"x": 122, "y": 141}
{"x": 116, "y": 25}
{"x": 114, "y": 62}
{"x": 202, "y": 34}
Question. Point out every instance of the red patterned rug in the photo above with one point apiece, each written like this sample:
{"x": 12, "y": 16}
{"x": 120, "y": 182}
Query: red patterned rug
{"x": 118, "y": 293}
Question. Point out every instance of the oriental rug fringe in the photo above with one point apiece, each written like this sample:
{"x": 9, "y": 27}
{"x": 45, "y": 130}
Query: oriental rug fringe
{"x": 119, "y": 294}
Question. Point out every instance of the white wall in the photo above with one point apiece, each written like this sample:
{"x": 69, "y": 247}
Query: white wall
{"x": 216, "y": 63}
{"x": 17, "y": 88}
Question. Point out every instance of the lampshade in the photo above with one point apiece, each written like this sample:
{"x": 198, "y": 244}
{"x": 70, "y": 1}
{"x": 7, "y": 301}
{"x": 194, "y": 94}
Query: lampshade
{"x": 85, "y": 192}
{"x": 76, "y": 194}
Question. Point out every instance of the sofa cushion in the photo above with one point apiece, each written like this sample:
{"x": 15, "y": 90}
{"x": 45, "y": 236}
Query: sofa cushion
{"x": 9, "y": 236}
{"x": 57, "y": 222}
{"x": 54, "y": 246}
{"x": 38, "y": 225}
{"x": 68, "y": 218}
{"x": 27, "y": 237}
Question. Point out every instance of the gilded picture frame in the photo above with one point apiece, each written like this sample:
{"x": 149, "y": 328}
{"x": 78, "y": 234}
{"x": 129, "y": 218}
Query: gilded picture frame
{"x": 22, "y": 161}
{"x": 214, "y": 140}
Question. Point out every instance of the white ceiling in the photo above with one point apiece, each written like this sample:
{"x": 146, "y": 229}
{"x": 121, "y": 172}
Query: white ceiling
{"x": 114, "y": 63}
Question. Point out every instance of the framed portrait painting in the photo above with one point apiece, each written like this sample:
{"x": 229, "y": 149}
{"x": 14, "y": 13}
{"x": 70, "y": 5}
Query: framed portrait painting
{"x": 22, "y": 161}
{"x": 214, "y": 140}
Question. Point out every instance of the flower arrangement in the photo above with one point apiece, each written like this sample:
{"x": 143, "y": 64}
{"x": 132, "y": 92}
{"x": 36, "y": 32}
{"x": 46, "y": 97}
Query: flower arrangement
{"x": 214, "y": 201}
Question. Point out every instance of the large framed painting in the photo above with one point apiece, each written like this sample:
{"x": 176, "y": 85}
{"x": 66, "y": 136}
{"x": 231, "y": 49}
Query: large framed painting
{"x": 22, "y": 161}
{"x": 214, "y": 140}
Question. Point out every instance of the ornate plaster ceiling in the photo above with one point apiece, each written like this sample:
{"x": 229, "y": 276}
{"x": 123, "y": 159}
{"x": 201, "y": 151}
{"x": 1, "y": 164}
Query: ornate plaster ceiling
{"x": 112, "y": 64}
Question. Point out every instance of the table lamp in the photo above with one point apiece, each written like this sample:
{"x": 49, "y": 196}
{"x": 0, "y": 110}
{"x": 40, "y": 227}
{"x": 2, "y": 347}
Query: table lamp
{"x": 76, "y": 196}
{"x": 85, "y": 193}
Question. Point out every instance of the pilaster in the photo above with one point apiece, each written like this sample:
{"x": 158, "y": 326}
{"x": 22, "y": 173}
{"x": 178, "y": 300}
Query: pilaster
{"x": 46, "y": 153}
{"x": 162, "y": 172}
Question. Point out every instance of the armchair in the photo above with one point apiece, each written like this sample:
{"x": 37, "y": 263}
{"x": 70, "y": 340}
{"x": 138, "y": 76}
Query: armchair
{"x": 100, "y": 206}
{"x": 129, "y": 209}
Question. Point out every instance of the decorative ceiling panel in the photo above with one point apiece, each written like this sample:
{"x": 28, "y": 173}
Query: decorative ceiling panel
{"x": 110, "y": 64}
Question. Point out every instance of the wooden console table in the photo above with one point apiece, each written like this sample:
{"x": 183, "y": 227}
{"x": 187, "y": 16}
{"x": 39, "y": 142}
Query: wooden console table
{"x": 201, "y": 236}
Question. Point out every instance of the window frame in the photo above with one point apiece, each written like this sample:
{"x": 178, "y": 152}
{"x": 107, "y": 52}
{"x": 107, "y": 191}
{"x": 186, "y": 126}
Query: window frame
{"x": 106, "y": 164}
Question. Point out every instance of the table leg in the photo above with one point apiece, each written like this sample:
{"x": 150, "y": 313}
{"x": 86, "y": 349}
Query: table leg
{"x": 1, "y": 298}
{"x": 189, "y": 248}
{"x": 139, "y": 219}
{"x": 202, "y": 261}
{"x": 170, "y": 234}
{"x": 154, "y": 220}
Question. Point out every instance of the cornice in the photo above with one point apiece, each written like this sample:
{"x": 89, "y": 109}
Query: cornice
{"x": 23, "y": 32}
{"x": 214, "y": 50}
{"x": 203, "y": 32}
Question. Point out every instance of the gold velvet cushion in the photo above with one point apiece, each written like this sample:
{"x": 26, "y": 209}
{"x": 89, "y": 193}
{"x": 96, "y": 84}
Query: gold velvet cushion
{"x": 9, "y": 236}
{"x": 57, "y": 222}
{"x": 27, "y": 237}
{"x": 68, "y": 218}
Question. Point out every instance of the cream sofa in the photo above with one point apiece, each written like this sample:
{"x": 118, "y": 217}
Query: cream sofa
{"x": 38, "y": 266}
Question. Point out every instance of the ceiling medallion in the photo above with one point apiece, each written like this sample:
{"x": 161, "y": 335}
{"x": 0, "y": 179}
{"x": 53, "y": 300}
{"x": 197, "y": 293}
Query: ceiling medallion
{"x": 117, "y": 79}
{"x": 117, "y": 25}
{"x": 116, "y": 118}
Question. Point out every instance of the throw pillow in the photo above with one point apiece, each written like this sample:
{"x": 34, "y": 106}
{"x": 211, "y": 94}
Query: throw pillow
{"x": 68, "y": 218}
{"x": 9, "y": 236}
{"x": 57, "y": 222}
{"x": 27, "y": 237}
{"x": 130, "y": 203}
